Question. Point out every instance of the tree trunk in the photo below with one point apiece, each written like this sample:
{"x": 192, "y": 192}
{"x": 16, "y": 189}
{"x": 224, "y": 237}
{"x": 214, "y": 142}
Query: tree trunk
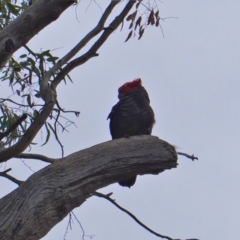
{"x": 35, "y": 18}
{"x": 33, "y": 209}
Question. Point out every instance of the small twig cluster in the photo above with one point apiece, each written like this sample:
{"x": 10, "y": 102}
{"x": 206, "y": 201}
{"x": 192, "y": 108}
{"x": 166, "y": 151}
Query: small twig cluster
{"x": 69, "y": 226}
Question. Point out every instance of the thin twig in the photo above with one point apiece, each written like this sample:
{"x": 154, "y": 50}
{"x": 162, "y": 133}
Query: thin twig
{"x": 13, "y": 179}
{"x": 21, "y": 105}
{"x": 83, "y": 232}
{"x": 30, "y": 51}
{"x": 26, "y": 165}
{"x": 77, "y": 113}
{"x": 107, "y": 197}
{"x": 188, "y": 156}
{"x": 69, "y": 225}
{"x": 59, "y": 123}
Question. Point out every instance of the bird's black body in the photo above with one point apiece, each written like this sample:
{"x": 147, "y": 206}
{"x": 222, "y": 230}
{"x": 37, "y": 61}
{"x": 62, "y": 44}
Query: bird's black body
{"x": 131, "y": 116}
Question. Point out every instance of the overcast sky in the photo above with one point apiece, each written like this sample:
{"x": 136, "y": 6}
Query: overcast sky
{"x": 192, "y": 77}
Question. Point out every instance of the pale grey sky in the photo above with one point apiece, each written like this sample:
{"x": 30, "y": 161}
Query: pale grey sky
{"x": 192, "y": 77}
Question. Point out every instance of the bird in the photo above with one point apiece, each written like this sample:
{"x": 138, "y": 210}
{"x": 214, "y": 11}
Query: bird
{"x": 131, "y": 116}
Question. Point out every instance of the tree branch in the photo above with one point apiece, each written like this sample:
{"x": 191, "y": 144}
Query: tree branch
{"x": 92, "y": 52}
{"x": 107, "y": 197}
{"x": 47, "y": 93}
{"x": 36, "y": 156}
{"x": 86, "y": 39}
{"x": 51, "y": 193}
{"x": 188, "y": 156}
{"x": 36, "y": 17}
{"x": 13, "y": 179}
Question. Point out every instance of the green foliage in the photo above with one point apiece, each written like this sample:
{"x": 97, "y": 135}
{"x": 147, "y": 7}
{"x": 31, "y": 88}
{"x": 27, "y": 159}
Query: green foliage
{"x": 8, "y": 118}
{"x": 9, "y": 10}
{"x": 23, "y": 76}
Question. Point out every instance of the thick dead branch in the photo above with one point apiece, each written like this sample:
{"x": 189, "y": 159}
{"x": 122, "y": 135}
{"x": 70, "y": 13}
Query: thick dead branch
{"x": 34, "y": 19}
{"x": 50, "y": 194}
{"x": 40, "y": 14}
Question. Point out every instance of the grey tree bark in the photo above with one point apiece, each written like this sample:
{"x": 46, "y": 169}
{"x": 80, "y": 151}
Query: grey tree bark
{"x": 30, "y": 211}
{"x": 28, "y": 24}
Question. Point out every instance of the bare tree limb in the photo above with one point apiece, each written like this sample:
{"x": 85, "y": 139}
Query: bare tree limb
{"x": 36, "y": 156}
{"x": 86, "y": 39}
{"x": 79, "y": 46}
{"x": 188, "y": 156}
{"x": 92, "y": 52}
{"x": 77, "y": 113}
{"x": 107, "y": 197}
{"x": 13, "y": 127}
{"x": 13, "y": 179}
{"x": 51, "y": 193}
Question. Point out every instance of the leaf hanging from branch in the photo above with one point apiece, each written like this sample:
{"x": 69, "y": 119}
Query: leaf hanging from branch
{"x": 129, "y": 36}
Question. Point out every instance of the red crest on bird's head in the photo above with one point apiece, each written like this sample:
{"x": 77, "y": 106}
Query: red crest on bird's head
{"x": 130, "y": 86}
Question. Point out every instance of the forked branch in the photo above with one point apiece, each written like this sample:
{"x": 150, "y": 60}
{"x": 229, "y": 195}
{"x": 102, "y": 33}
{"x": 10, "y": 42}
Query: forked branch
{"x": 92, "y": 52}
{"x": 47, "y": 93}
{"x": 86, "y": 39}
{"x": 9, "y": 177}
{"x": 107, "y": 197}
